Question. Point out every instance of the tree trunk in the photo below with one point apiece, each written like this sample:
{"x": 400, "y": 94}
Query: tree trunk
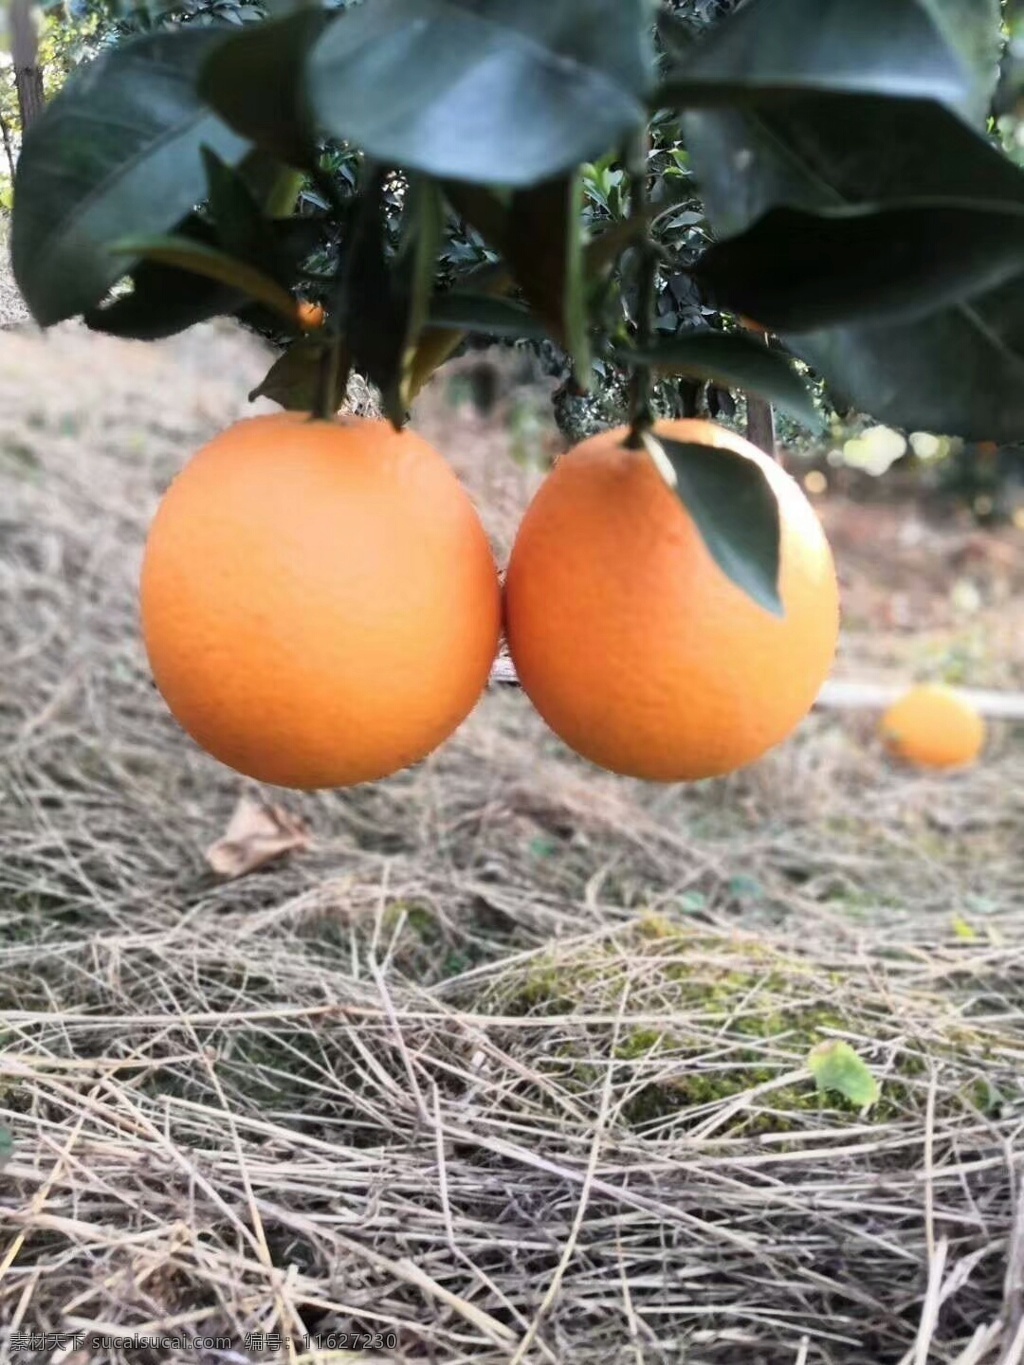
{"x": 28, "y": 74}
{"x": 29, "y": 80}
{"x": 8, "y": 145}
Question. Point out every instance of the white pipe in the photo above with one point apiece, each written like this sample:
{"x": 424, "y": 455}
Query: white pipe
{"x": 853, "y": 696}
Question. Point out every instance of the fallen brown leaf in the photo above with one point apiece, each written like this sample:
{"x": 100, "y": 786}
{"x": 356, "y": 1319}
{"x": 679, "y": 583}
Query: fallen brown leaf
{"x": 256, "y": 834}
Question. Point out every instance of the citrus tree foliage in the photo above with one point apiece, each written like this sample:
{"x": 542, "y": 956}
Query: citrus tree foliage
{"x": 617, "y": 183}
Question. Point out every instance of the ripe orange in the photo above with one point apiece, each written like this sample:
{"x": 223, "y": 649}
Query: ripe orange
{"x": 320, "y": 604}
{"x": 311, "y": 315}
{"x": 933, "y": 726}
{"x": 634, "y": 645}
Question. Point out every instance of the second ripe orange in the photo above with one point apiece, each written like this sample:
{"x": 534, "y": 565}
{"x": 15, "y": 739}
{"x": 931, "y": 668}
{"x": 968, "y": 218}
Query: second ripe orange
{"x": 629, "y": 639}
{"x": 320, "y": 603}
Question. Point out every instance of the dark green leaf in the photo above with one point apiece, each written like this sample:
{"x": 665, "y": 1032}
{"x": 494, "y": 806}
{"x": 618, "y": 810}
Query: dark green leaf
{"x": 255, "y": 82}
{"x": 423, "y": 227}
{"x": 822, "y": 151}
{"x": 510, "y": 94}
{"x": 115, "y": 154}
{"x": 376, "y": 311}
{"x": 959, "y": 370}
{"x": 795, "y": 271}
{"x": 972, "y": 28}
{"x": 477, "y": 313}
{"x": 546, "y": 252}
{"x": 293, "y": 378}
{"x": 735, "y": 510}
{"x": 242, "y": 230}
{"x": 275, "y": 187}
{"x": 677, "y": 37}
{"x": 186, "y": 254}
{"x": 484, "y": 209}
{"x": 776, "y": 48}
{"x": 735, "y": 361}
{"x": 438, "y": 343}
{"x": 166, "y": 300}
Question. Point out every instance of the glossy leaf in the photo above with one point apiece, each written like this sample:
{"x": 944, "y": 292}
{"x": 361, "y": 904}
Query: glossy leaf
{"x": 510, "y": 94}
{"x": 959, "y": 369}
{"x": 484, "y": 209}
{"x": 185, "y": 254}
{"x": 546, "y": 252}
{"x": 255, "y": 82}
{"x": 293, "y": 379}
{"x": 376, "y": 312}
{"x": 423, "y": 228}
{"x": 242, "y": 229}
{"x": 116, "y": 153}
{"x": 439, "y": 342}
{"x": 736, "y": 512}
{"x": 485, "y": 316}
{"x": 796, "y": 271}
{"x": 778, "y": 48}
{"x": 164, "y": 299}
{"x": 735, "y": 361}
{"x": 972, "y": 28}
{"x": 836, "y": 1066}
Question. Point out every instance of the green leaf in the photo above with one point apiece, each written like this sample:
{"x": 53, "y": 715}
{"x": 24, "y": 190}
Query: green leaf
{"x": 423, "y": 227}
{"x": 293, "y": 378}
{"x": 510, "y": 94}
{"x": 546, "y": 252}
{"x": 274, "y": 187}
{"x": 376, "y": 310}
{"x": 440, "y": 342}
{"x": 959, "y": 369}
{"x": 735, "y": 510}
{"x": 835, "y": 1066}
{"x": 186, "y": 254}
{"x": 6, "y": 1146}
{"x": 772, "y": 49}
{"x": 485, "y": 316}
{"x": 242, "y": 230}
{"x": 735, "y": 361}
{"x": 972, "y": 28}
{"x": 255, "y": 82}
{"x": 484, "y": 209}
{"x": 166, "y": 300}
{"x": 796, "y": 271}
{"x": 115, "y": 154}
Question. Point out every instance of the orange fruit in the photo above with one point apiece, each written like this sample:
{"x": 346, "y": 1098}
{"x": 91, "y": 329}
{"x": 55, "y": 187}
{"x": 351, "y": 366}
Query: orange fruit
{"x": 630, "y": 640}
{"x": 320, "y": 603}
{"x": 311, "y": 315}
{"x": 933, "y": 726}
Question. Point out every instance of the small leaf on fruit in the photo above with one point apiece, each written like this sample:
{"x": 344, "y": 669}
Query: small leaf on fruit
{"x": 735, "y": 511}
{"x": 293, "y": 378}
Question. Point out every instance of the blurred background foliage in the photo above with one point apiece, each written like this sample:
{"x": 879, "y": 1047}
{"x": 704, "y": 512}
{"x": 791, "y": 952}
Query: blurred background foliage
{"x": 855, "y": 451}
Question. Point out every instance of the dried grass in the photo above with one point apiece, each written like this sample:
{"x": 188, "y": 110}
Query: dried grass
{"x": 512, "y": 1062}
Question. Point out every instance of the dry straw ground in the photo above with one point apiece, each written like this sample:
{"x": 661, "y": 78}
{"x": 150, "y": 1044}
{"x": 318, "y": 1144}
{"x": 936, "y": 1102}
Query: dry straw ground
{"x": 511, "y": 1062}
